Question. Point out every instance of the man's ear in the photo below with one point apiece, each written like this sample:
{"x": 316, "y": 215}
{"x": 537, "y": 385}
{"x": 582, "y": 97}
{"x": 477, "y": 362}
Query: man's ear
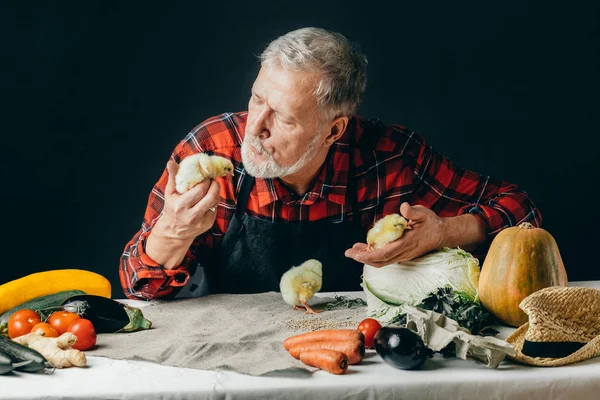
{"x": 338, "y": 127}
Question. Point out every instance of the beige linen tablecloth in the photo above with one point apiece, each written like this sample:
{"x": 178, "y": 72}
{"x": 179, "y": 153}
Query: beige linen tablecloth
{"x": 243, "y": 333}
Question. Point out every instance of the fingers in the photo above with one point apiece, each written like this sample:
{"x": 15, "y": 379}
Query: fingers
{"x": 406, "y": 210}
{"x": 360, "y": 246}
{"x": 413, "y": 213}
{"x": 363, "y": 258}
{"x": 195, "y": 194}
{"x": 397, "y": 251}
{"x": 381, "y": 256}
{"x": 211, "y": 199}
{"x": 172, "y": 168}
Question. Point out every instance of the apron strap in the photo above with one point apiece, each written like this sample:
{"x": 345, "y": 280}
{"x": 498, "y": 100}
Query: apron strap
{"x": 352, "y": 193}
{"x": 247, "y": 184}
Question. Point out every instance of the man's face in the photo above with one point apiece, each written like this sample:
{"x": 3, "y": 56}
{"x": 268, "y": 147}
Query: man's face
{"x": 282, "y": 131}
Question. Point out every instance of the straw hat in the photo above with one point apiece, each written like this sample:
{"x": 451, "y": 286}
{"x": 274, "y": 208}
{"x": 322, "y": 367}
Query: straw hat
{"x": 563, "y": 327}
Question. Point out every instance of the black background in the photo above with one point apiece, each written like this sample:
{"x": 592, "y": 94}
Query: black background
{"x": 95, "y": 95}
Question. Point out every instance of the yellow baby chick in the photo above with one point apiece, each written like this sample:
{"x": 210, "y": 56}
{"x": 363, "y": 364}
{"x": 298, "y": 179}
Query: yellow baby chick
{"x": 197, "y": 167}
{"x": 300, "y": 283}
{"x": 386, "y": 230}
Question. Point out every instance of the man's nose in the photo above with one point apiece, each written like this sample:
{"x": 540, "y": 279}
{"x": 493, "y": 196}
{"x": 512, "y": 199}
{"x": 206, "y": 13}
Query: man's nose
{"x": 258, "y": 126}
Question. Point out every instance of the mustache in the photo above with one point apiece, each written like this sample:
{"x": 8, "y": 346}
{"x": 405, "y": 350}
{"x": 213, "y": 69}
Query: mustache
{"x": 256, "y": 144}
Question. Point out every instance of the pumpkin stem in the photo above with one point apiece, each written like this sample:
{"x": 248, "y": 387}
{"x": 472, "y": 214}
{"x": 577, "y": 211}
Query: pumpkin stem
{"x": 526, "y": 225}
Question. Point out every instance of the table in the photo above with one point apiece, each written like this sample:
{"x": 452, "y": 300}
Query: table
{"x": 373, "y": 379}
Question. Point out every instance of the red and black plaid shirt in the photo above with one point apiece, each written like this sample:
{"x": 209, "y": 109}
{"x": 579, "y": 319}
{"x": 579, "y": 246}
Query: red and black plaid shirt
{"x": 391, "y": 165}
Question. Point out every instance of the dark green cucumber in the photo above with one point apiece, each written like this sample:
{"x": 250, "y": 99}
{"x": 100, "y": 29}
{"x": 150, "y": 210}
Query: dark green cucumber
{"x": 19, "y": 354}
{"x": 44, "y": 304}
{"x": 6, "y": 364}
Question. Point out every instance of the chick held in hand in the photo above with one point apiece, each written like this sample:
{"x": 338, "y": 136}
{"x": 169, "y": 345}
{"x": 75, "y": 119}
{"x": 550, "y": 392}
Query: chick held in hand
{"x": 386, "y": 230}
{"x": 198, "y": 167}
{"x": 300, "y": 283}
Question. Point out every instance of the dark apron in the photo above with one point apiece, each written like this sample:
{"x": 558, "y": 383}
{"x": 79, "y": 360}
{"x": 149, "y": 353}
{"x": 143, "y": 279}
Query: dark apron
{"x": 255, "y": 253}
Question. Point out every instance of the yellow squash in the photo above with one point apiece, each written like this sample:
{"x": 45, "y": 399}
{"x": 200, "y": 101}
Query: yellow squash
{"x": 29, "y": 287}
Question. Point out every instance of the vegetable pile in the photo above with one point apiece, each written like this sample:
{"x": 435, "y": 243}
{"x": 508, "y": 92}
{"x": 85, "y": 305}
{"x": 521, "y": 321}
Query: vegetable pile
{"x": 54, "y": 329}
{"x": 444, "y": 281}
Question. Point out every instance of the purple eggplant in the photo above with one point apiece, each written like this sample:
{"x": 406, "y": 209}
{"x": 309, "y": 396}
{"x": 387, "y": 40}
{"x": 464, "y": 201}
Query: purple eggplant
{"x": 400, "y": 347}
{"x": 107, "y": 315}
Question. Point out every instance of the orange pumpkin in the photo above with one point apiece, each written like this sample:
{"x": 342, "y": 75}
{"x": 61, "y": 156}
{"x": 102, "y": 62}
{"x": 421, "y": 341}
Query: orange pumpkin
{"x": 521, "y": 260}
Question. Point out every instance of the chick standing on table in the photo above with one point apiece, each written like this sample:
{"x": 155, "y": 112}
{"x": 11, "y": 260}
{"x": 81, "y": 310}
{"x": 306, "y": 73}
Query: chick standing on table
{"x": 300, "y": 283}
{"x": 197, "y": 167}
{"x": 386, "y": 230}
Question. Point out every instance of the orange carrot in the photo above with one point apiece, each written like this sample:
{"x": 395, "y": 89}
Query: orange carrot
{"x": 353, "y": 349}
{"x": 331, "y": 361}
{"x": 323, "y": 334}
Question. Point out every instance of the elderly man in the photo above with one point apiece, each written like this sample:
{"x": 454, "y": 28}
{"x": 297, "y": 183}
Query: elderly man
{"x": 310, "y": 180}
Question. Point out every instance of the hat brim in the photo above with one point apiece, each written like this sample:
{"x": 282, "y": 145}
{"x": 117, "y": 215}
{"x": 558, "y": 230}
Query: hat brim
{"x": 517, "y": 338}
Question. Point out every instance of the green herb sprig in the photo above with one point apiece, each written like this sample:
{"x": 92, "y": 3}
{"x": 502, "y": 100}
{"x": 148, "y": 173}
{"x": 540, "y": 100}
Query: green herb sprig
{"x": 345, "y": 302}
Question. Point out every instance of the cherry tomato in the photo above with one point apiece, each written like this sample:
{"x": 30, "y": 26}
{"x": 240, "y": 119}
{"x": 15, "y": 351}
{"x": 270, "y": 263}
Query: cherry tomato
{"x": 85, "y": 332}
{"x": 61, "y": 320}
{"x": 21, "y": 322}
{"x": 44, "y": 329}
{"x": 18, "y": 328}
{"x": 369, "y": 327}
{"x": 26, "y": 315}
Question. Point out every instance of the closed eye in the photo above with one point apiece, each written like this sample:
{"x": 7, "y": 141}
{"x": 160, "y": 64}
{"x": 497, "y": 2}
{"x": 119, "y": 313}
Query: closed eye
{"x": 284, "y": 121}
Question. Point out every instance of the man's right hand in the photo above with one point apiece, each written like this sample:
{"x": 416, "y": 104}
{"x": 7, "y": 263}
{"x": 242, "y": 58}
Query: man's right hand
{"x": 187, "y": 215}
{"x": 183, "y": 218}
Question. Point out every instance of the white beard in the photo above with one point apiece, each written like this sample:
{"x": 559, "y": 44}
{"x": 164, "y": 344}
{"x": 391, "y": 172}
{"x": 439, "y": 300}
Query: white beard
{"x": 270, "y": 168}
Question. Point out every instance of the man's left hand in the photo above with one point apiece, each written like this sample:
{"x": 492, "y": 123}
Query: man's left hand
{"x": 426, "y": 234}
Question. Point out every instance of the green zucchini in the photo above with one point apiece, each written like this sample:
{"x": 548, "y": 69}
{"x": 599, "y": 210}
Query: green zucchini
{"x": 44, "y": 304}
{"x": 21, "y": 354}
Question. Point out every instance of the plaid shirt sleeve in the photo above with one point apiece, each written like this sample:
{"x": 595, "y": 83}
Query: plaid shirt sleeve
{"x": 143, "y": 278}
{"x": 450, "y": 190}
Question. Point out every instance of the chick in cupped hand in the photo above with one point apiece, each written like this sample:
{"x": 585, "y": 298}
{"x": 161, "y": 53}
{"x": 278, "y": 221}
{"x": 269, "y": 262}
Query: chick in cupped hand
{"x": 300, "y": 283}
{"x": 198, "y": 167}
{"x": 386, "y": 230}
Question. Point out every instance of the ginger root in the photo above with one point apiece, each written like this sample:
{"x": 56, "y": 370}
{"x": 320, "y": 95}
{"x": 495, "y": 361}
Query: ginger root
{"x": 57, "y": 350}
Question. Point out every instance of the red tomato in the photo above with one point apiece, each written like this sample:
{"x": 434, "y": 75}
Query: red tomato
{"x": 44, "y": 329}
{"x": 85, "y": 332}
{"x": 18, "y": 328}
{"x": 25, "y": 315}
{"x": 61, "y": 320}
{"x": 369, "y": 327}
{"x": 21, "y": 322}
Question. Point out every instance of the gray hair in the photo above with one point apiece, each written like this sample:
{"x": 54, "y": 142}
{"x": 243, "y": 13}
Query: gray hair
{"x": 342, "y": 68}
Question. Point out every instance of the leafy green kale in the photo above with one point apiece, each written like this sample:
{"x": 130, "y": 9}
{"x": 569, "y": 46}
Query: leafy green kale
{"x": 468, "y": 313}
